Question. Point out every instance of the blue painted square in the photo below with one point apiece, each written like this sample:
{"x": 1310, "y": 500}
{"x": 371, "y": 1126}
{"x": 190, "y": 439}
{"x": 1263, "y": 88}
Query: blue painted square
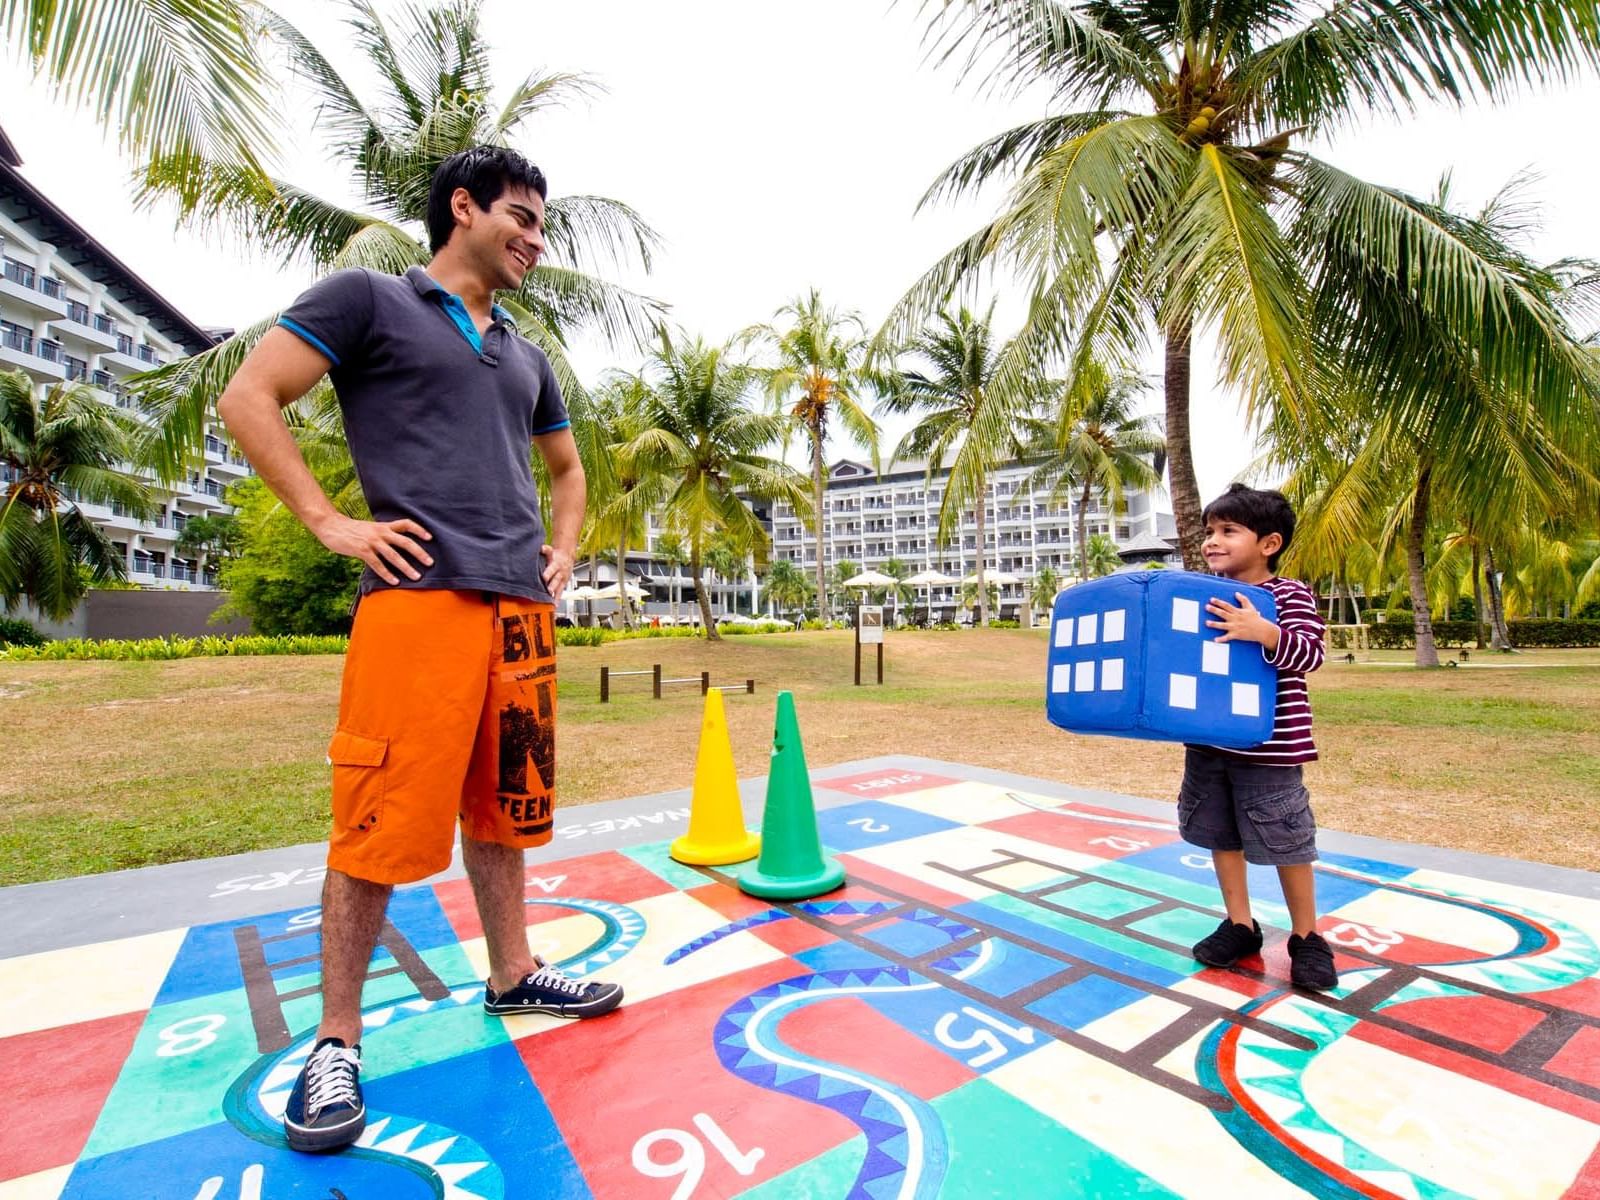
{"x": 975, "y": 1035}
{"x": 1396, "y": 872}
{"x": 874, "y": 823}
{"x": 488, "y": 1096}
{"x": 208, "y": 960}
{"x": 909, "y": 938}
{"x": 179, "y": 1168}
{"x": 1085, "y": 1001}
{"x": 1069, "y": 945}
{"x": 840, "y": 956}
{"x": 1009, "y": 968}
{"x": 1131, "y": 655}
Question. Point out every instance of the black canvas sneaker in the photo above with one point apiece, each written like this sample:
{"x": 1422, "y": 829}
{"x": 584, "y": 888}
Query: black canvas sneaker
{"x": 1311, "y": 962}
{"x": 551, "y": 990}
{"x": 1228, "y": 943}
{"x": 325, "y": 1109}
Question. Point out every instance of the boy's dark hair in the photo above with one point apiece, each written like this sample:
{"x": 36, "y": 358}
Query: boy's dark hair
{"x": 1260, "y": 511}
{"x": 486, "y": 172}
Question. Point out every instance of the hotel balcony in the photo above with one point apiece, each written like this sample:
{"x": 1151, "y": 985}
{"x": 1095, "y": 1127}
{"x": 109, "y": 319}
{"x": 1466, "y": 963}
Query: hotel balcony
{"x": 23, "y": 285}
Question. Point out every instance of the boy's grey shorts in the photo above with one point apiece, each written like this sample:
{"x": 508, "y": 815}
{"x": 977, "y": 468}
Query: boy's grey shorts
{"x": 1226, "y": 804}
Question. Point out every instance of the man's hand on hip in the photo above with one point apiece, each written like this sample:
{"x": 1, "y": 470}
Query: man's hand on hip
{"x": 557, "y": 571}
{"x": 385, "y": 546}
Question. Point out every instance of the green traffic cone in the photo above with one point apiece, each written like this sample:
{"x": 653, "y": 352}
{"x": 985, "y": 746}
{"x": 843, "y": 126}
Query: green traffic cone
{"x": 792, "y": 865}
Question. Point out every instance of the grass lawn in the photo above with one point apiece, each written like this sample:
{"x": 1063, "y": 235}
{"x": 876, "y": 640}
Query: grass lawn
{"x": 112, "y": 765}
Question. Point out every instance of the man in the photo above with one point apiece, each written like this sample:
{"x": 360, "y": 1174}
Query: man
{"x": 447, "y": 708}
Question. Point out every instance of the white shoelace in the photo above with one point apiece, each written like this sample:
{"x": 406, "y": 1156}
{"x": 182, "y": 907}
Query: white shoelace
{"x": 556, "y": 980}
{"x": 331, "y": 1078}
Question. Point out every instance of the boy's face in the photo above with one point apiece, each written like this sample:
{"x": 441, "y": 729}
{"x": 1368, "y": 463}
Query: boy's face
{"x": 1238, "y": 552}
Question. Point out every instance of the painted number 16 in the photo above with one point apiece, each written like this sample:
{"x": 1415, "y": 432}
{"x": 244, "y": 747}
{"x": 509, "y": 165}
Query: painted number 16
{"x": 691, "y": 1160}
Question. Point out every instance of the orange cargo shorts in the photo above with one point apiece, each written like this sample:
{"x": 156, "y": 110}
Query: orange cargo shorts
{"x": 447, "y": 712}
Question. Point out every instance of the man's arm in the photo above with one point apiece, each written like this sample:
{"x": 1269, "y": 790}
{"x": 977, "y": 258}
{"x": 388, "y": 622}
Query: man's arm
{"x": 280, "y": 370}
{"x": 568, "y": 494}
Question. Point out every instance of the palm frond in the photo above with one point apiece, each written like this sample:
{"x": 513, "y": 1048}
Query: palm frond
{"x": 585, "y": 231}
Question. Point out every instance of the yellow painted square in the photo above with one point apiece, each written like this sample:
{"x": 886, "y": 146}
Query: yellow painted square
{"x": 84, "y": 983}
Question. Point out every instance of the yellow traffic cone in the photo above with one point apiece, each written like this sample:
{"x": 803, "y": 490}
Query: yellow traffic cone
{"x": 716, "y": 819}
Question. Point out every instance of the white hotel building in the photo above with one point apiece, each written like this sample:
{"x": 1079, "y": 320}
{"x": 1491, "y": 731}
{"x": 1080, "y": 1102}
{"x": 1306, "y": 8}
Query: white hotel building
{"x": 70, "y": 311}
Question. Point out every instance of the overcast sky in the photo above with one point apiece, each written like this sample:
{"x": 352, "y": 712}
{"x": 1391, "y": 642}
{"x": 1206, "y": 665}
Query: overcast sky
{"x": 775, "y": 148}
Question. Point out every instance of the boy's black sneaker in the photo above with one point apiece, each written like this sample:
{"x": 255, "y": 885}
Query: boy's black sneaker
{"x": 551, "y": 990}
{"x": 1311, "y": 962}
{"x": 1228, "y": 943}
{"x": 325, "y": 1109}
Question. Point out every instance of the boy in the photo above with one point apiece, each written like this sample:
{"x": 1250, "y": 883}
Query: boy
{"x": 1251, "y": 805}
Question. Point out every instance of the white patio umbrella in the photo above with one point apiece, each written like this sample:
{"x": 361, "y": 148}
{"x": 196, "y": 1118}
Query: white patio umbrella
{"x": 871, "y": 579}
{"x": 930, "y": 580}
{"x": 609, "y": 592}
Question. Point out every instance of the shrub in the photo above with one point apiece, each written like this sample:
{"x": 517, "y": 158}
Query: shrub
{"x": 1401, "y": 635}
{"x": 14, "y": 632}
{"x": 152, "y": 649}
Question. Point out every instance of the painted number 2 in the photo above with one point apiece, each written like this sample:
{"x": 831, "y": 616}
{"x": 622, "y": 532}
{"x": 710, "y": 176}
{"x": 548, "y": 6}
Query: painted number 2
{"x": 691, "y": 1160}
{"x": 189, "y": 1035}
{"x": 868, "y": 825}
{"x": 1364, "y": 937}
{"x": 992, "y": 1047}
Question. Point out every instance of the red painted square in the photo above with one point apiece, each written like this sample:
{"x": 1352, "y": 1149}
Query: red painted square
{"x": 55, "y": 1082}
{"x": 1587, "y": 1185}
{"x": 849, "y": 1030}
{"x": 728, "y": 900}
{"x": 792, "y": 936}
{"x": 1483, "y": 1021}
{"x": 605, "y": 876}
{"x": 1583, "y": 997}
{"x": 1579, "y": 1059}
{"x": 885, "y": 783}
{"x": 651, "y": 1067}
{"x": 1407, "y": 949}
{"x": 1070, "y": 832}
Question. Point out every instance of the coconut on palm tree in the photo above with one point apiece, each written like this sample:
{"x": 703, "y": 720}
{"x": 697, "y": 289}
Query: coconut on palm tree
{"x": 821, "y": 376}
{"x": 1167, "y": 193}
{"x": 432, "y": 96}
{"x": 57, "y": 451}
{"x": 698, "y": 431}
{"x": 1096, "y": 443}
{"x": 962, "y": 418}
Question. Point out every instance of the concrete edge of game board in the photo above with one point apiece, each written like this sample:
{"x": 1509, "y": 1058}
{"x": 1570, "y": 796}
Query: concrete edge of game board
{"x": 97, "y": 908}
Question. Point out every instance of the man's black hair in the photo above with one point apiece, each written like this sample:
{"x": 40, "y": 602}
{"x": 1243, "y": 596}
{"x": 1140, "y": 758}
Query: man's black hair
{"x": 1260, "y": 511}
{"x": 486, "y": 172}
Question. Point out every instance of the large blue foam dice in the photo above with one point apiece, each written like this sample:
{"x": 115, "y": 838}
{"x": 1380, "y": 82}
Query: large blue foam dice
{"x": 1131, "y": 656}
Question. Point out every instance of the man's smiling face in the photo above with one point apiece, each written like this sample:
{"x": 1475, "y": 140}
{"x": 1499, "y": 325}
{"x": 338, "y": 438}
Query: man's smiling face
{"x": 507, "y": 240}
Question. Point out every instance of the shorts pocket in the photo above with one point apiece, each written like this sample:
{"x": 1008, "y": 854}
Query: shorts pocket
{"x": 359, "y": 779}
{"x": 1282, "y": 819}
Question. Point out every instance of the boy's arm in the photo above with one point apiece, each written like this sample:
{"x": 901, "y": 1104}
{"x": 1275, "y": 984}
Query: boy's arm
{"x": 280, "y": 370}
{"x": 1301, "y": 644}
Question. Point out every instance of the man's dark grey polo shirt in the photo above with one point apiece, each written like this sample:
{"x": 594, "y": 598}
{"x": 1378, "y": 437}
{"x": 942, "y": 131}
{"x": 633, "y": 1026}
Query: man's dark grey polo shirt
{"x": 440, "y": 427}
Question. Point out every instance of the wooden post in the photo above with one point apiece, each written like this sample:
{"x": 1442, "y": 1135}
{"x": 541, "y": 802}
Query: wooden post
{"x": 605, "y": 685}
{"x": 880, "y": 663}
{"x": 705, "y": 682}
{"x": 858, "y": 658}
{"x": 655, "y": 680}
{"x": 750, "y": 687}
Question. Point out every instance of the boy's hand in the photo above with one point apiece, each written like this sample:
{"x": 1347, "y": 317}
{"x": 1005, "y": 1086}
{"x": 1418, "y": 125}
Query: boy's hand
{"x": 1242, "y": 624}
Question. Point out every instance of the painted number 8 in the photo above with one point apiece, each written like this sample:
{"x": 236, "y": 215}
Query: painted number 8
{"x": 189, "y": 1035}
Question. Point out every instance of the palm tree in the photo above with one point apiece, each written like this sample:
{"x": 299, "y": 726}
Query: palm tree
{"x": 727, "y": 563}
{"x": 1042, "y": 594}
{"x": 698, "y": 431}
{"x": 58, "y": 451}
{"x": 842, "y": 570}
{"x": 178, "y": 81}
{"x": 903, "y": 593}
{"x": 1100, "y": 557}
{"x": 963, "y": 418}
{"x": 1098, "y": 444}
{"x": 1461, "y": 444}
{"x": 821, "y": 373}
{"x": 433, "y": 98}
{"x": 621, "y": 493}
{"x": 669, "y": 549}
{"x": 787, "y": 586}
{"x": 1167, "y": 194}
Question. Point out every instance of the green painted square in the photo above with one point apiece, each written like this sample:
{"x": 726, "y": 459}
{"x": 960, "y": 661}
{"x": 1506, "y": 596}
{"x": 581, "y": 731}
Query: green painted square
{"x": 1203, "y": 895}
{"x": 828, "y": 1174}
{"x": 1182, "y": 926}
{"x": 174, "y": 1078}
{"x": 655, "y": 859}
{"x": 1100, "y": 900}
{"x": 1003, "y": 1148}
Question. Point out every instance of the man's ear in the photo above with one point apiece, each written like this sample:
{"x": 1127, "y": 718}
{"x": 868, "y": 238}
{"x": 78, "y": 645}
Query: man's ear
{"x": 463, "y": 207}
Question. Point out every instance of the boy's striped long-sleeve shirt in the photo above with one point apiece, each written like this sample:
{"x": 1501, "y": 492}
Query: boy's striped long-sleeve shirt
{"x": 1300, "y": 650}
